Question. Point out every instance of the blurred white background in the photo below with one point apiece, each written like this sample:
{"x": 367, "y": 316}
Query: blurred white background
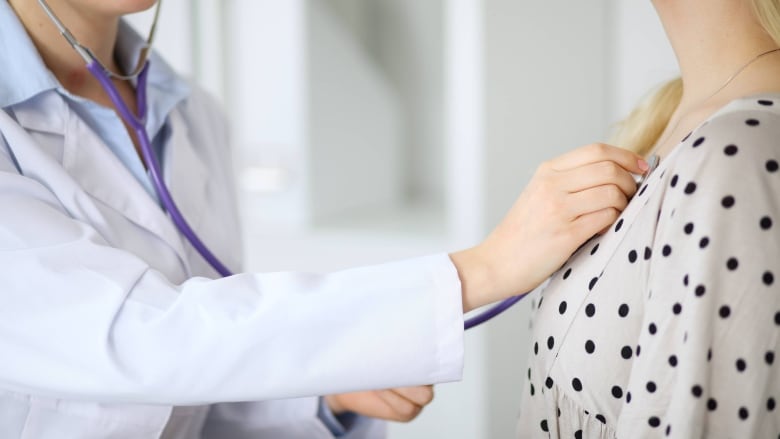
{"x": 371, "y": 130}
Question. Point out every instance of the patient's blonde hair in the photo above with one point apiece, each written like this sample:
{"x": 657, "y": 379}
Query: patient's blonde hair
{"x": 642, "y": 128}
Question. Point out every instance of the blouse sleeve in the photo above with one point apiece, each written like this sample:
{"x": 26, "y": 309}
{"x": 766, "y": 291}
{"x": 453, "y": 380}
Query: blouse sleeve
{"x": 706, "y": 361}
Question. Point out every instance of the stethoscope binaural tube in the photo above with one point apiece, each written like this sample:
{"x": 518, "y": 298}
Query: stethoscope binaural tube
{"x": 137, "y": 122}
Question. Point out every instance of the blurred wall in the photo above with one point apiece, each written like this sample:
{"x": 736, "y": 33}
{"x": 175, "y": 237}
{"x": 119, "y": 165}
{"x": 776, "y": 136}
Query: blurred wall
{"x": 406, "y": 40}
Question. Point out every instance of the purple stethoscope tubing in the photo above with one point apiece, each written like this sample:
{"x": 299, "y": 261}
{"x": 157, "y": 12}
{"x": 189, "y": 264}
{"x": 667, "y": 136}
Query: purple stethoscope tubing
{"x": 138, "y": 125}
{"x": 491, "y": 312}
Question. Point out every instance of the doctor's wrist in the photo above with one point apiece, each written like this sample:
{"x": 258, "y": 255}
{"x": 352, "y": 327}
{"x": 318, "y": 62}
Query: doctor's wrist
{"x": 477, "y": 278}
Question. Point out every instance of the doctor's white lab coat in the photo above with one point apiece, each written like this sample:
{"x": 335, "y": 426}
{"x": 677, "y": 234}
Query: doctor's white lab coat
{"x": 112, "y": 327}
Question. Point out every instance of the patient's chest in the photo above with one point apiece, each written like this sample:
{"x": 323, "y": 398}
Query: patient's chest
{"x": 586, "y": 325}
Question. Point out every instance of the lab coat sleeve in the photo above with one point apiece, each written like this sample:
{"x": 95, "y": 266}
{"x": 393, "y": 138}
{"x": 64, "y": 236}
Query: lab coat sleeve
{"x": 80, "y": 319}
{"x": 289, "y": 419}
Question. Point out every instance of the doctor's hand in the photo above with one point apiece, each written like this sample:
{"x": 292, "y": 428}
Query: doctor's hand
{"x": 400, "y": 405}
{"x": 569, "y": 200}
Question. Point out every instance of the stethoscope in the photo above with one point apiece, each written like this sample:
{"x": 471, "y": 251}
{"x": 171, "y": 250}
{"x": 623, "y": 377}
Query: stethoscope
{"x": 137, "y": 123}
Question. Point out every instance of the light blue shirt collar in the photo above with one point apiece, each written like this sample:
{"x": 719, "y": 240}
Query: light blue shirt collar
{"x": 24, "y": 75}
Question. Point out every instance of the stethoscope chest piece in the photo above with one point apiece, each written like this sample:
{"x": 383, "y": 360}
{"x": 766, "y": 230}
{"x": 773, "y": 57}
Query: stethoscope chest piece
{"x": 652, "y": 163}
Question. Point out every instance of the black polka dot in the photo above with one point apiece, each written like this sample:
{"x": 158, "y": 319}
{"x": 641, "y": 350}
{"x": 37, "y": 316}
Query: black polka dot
{"x": 590, "y": 310}
{"x": 626, "y": 352}
{"x": 592, "y": 283}
{"x": 741, "y": 365}
{"x": 769, "y": 357}
{"x": 623, "y": 310}
{"x": 771, "y": 404}
{"x": 628, "y": 397}
{"x": 652, "y": 328}
{"x": 772, "y": 166}
{"x": 743, "y": 413}
{"x": 536, "y": 348}
{"x": 648, "y": 253}
{"x": 548, "y": 382}
{"x": 725, "y": 311}
{"x": 777, "y": 318}
{"x": 698, "y": 142}
{"x": 533, "y": 390}
{"x": 752, "y": 122}
{"x": 697, "y": 391}
{"x": 642, "y": 191}
{"x": 617, "y": 392}
{"x": 576, "y": 384}
{"x": 619, "y": 225}
{"x": 668, "y": 430}
{"x": 562, "y": 308}
{"x": 766, "y": 223}
{"x": 730, "y": 150}
{"x": 654, "y": 422}
{"x": 544, "y": 426}
{"x": 688, "y": 228}
{"x": 638, "y": 350}
{"x": 768, "y": 278}
{"x": 704, "y": 242}
{"x": 685, "y": 280}
{"x": 677, "y": 308}
{"x": 673, "y": 360}
{"x": 732, "y": 264}
{"x": 567, "y": 274}
{"x": 651, "y": 387}
{"x": 632, "y": 256}
{"x": 578, "y": 434}
{"x": 595, "y": 249}
{"x": 550, "y": 342}
{"x": 590, "y": 347}
{"x": 529, "y": 373}
{"x": 667, "y": 250}
{"x": 709, "y": 354}
{"x": 712, "y": 404}
{"x": 690, "y": 188}
{"x": 601, "y": 419}
{"x": 727, "y": 202}
{"x": 674, "y": 180}
{"x": 700, "y": 290}
{"x": 765, "y": 102}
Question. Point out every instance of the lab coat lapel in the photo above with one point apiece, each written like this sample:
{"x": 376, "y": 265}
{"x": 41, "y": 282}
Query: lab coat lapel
{"x": 100, "y": 173}
{"x": 185, "y": 173}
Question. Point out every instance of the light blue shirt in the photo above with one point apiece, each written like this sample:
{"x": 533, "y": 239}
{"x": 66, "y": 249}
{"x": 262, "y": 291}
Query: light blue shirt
{"x": 23, "y": 75}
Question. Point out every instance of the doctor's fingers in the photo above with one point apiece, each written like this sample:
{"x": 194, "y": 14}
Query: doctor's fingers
{"x": 597, "y": 152}
{"x": 399, "y": 408}
{"x": 420, "y": 395}
{"x": 590, "y": 224}
{"x": 596, "y": 199}
{"x": 597, "y": 174}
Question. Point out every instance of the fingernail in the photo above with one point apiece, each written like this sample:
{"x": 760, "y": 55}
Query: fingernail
{"x": 643, "y": 165}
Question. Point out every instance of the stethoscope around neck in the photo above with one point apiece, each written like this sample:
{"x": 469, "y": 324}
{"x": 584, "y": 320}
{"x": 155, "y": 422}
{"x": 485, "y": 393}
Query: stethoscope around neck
{"x": 137, "y": 122}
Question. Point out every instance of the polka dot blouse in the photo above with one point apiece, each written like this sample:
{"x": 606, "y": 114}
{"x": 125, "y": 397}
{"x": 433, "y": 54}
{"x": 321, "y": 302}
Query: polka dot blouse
{"x": 669, "y": 324}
